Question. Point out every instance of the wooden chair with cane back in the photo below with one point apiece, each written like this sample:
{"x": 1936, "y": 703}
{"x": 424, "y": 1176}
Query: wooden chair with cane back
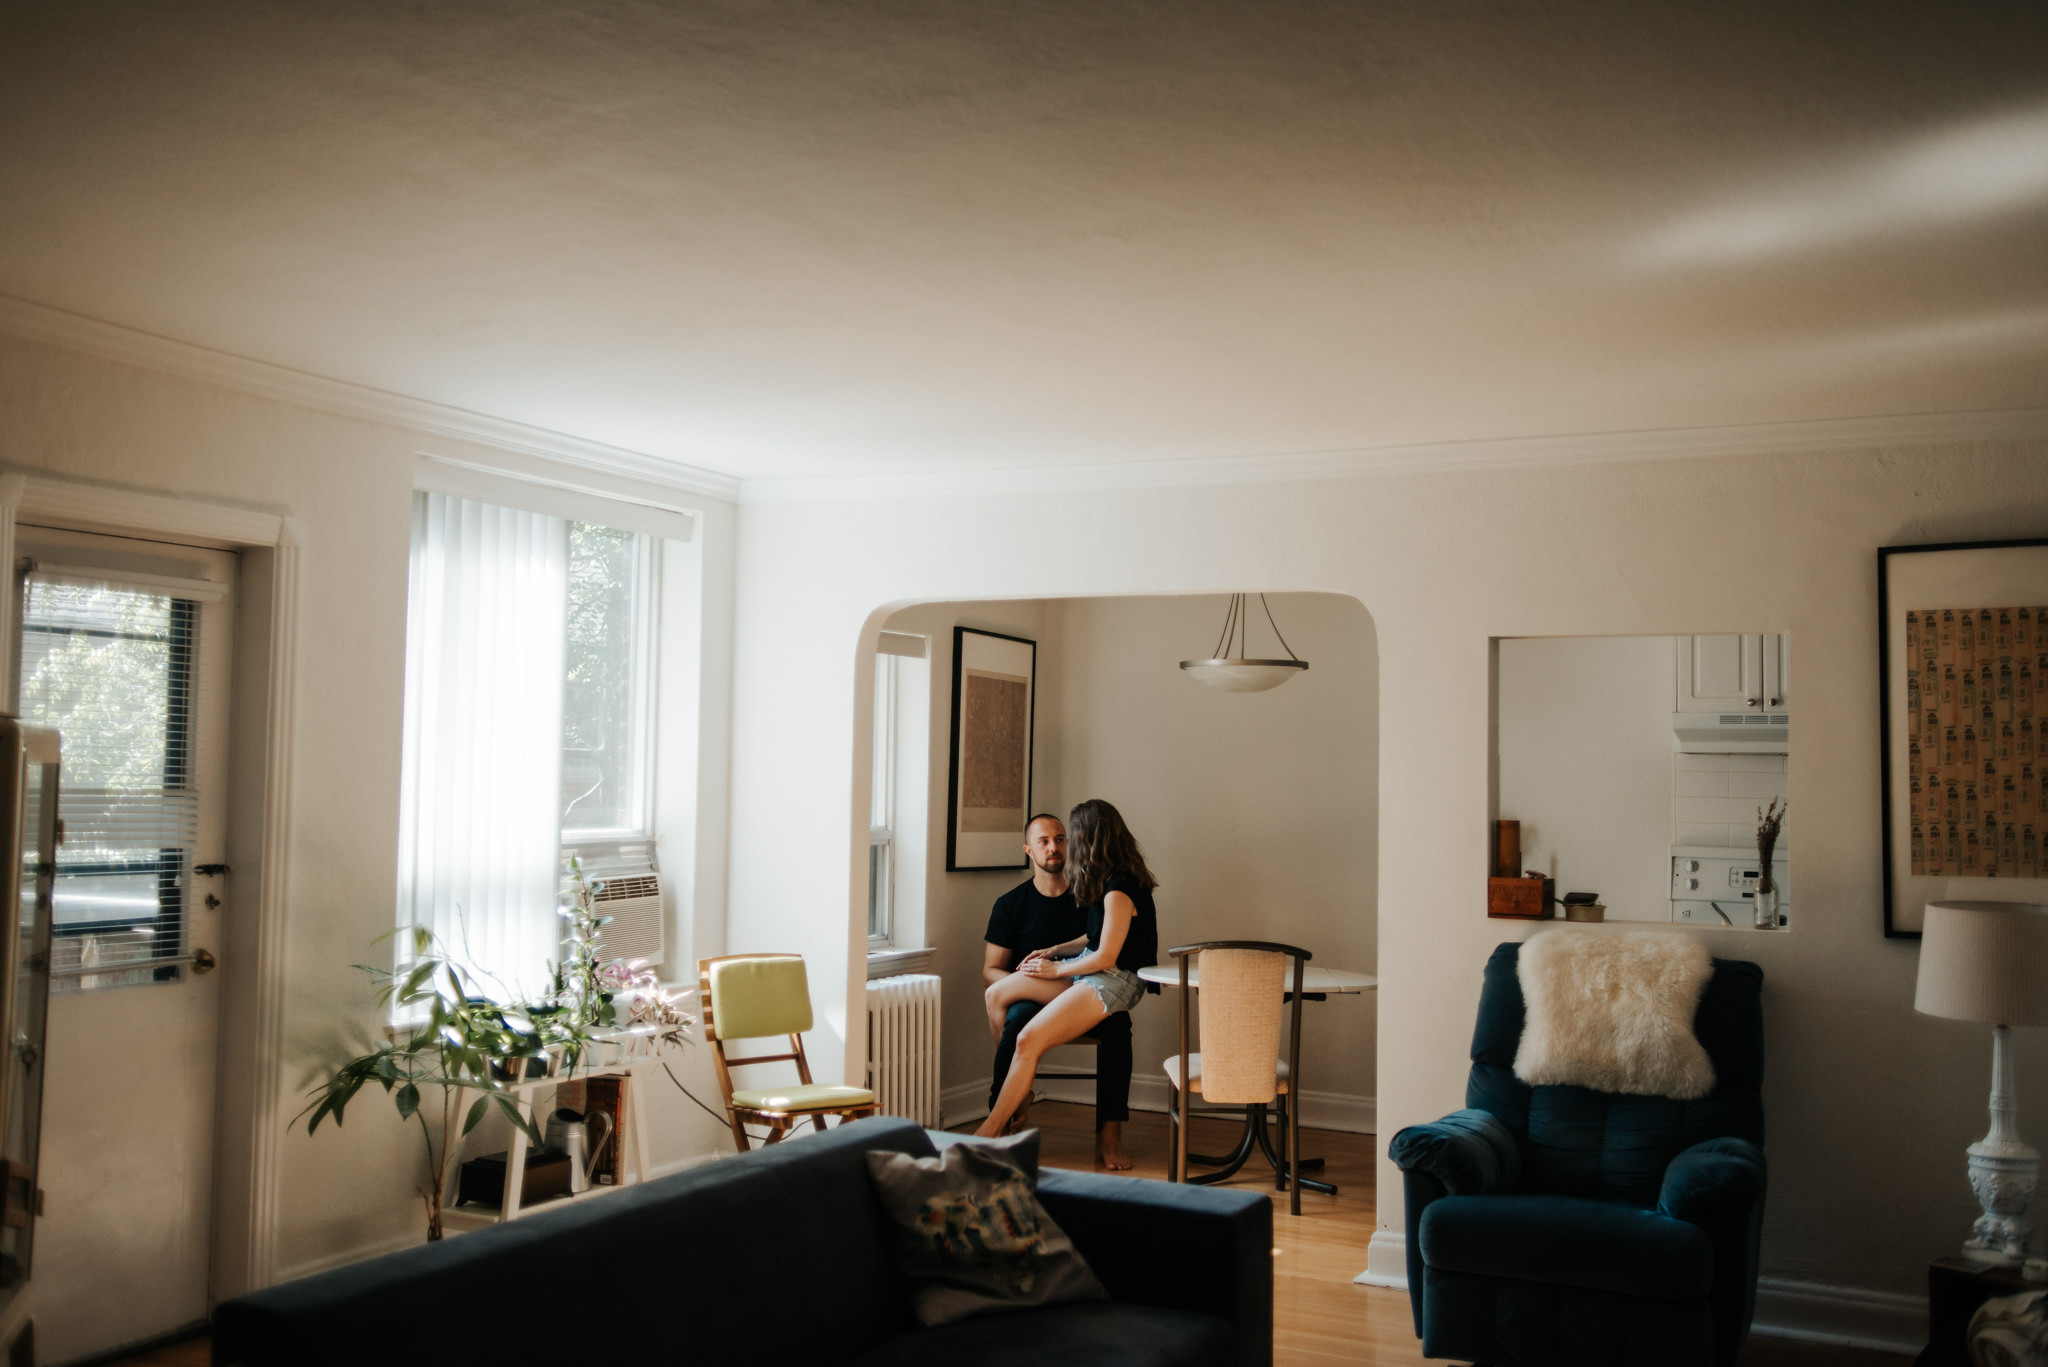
{"x": 1244, "y": 985}
{"x": 759, "y": 996}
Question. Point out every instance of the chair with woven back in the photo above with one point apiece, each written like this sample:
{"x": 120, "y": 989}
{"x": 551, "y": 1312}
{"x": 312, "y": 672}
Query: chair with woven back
{"x": 761, "y": 996}
{"x": 1243, "y": 988}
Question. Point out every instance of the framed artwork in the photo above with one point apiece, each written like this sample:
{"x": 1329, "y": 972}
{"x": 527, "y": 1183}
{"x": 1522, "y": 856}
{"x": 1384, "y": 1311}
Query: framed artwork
{"x": 995, "y": 686}
{"x": 1963, "y": 697}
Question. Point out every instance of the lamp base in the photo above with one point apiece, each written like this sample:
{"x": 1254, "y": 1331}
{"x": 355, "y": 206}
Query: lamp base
{"x": 2003, "y": 1174}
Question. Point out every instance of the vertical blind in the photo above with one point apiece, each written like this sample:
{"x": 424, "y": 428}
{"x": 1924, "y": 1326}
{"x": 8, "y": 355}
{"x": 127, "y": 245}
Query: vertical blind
{"x": 479, "y": 807}
{"x": 109, "y": 665}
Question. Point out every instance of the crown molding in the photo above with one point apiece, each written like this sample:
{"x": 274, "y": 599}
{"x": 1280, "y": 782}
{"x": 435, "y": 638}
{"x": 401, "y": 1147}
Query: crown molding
{"x": 1586, "y": 448}
{"x": 110, "y": 341}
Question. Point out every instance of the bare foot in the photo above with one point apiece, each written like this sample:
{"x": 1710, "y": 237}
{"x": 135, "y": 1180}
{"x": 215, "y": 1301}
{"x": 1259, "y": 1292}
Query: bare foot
{"x": 1109, "y": 1146}
{"x": 989, "y": 1130}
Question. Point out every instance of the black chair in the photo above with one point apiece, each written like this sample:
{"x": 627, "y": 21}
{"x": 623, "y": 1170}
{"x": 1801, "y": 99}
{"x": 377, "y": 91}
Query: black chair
{"x": 1564, "y": 1227}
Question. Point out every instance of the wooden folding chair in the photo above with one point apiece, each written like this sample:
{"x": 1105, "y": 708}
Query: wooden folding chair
{"x": 756, "y": 996}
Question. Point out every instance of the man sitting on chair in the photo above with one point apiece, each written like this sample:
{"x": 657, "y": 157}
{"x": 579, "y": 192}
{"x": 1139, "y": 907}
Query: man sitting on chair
{"x": 1036, "y": 915}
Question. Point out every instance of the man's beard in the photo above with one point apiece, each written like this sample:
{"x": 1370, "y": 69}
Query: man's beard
{"x": 1057, "y": 865}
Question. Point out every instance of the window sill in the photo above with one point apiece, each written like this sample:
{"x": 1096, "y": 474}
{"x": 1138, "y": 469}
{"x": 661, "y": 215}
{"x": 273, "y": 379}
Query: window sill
{"x": 887, "y": 963}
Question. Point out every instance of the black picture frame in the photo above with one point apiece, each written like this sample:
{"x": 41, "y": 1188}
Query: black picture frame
{"x": 973, "y": 842}
{"x": 1950, "y": 575}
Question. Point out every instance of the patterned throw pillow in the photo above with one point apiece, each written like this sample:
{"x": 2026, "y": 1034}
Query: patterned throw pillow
{"x": 971, "y": 1236}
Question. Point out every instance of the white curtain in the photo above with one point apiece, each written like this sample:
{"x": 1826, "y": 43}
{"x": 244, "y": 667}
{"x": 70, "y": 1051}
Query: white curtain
{"x": 480, "y": 806}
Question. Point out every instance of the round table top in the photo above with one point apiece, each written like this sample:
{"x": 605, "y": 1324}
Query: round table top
{"x": 1324, "y": 980}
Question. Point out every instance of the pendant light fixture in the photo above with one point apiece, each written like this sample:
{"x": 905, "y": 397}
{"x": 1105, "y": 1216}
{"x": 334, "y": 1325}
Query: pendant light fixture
{"x": 1229, "y": 671}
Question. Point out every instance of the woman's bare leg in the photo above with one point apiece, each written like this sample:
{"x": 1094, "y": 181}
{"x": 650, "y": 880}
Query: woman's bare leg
{"x": 1075, "y": 1012}
{"x": 1004, "y": 993}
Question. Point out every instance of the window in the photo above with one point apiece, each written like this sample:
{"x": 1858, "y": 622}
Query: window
{"x": 882, "y": 807}
{"x": 111, "y": 660}
{"x": 607, "y": 689}
{"x": 529, "y": 661}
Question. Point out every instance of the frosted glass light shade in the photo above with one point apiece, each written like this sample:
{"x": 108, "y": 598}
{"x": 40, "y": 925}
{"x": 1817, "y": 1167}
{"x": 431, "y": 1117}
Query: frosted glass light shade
{"x": 1984, "y": 961}
{"x": 1243, "y": 676}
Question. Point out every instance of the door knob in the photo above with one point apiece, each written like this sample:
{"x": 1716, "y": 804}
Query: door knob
{"x": 203, "y": 961}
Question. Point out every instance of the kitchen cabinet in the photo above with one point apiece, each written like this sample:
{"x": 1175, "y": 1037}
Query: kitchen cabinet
{"x": 1745, "y": 673}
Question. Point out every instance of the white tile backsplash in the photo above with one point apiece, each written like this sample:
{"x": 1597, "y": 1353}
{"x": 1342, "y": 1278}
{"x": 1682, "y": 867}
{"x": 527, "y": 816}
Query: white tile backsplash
{"x": 1761, "y": 787}
{"x": 1715, "y": 797}
{"x": 1703, "y": 782}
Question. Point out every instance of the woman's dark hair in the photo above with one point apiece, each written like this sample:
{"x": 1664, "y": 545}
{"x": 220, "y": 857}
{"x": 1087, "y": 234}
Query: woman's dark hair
{"x": 1098, "y": 845}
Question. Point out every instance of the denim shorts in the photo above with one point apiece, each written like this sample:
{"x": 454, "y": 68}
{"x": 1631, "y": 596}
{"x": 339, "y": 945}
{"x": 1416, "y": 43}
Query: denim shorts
{"x": 1118, "y": 988}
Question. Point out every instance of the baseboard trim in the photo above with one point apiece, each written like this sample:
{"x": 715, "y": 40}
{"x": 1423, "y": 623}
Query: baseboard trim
{"x": 1851, "y": 1316}
{"x": 313, "y": 1266}
{"x": 1340, "y": 1111}
{"x": 1812, "y": 1312}
{"x": 1386, "y": 1261}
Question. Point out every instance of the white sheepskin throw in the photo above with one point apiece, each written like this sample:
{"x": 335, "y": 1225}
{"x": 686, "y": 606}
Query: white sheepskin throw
{"x": 1614, "y": 1013}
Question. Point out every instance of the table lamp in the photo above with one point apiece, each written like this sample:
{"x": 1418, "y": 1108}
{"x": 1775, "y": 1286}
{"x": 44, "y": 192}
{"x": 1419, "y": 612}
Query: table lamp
{"x": 1988, "y": 961}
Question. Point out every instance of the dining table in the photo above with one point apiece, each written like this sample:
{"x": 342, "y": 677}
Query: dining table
{"x": 1317, "y": 984}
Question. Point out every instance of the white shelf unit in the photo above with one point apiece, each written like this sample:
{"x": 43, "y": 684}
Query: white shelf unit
{"x": 628, "y": 1050}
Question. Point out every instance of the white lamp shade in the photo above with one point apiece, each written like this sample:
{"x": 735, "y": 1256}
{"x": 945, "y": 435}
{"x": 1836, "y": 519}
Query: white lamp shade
{"x": 1984, "y": 961}
{"x": 1243, "y": 676}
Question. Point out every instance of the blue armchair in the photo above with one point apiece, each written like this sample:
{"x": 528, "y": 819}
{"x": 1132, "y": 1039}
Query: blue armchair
{"x": 1564, "y": 1227}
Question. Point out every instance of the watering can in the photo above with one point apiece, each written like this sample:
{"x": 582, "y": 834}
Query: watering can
{"x": 566, "y": 1134}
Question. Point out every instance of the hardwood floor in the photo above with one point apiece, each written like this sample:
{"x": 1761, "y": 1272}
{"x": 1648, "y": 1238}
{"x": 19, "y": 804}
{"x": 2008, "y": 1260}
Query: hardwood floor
{"x": 1321, "y": 1316}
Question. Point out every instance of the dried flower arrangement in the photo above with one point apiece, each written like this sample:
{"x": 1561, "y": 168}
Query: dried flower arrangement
{"x": 1768, "y": 823}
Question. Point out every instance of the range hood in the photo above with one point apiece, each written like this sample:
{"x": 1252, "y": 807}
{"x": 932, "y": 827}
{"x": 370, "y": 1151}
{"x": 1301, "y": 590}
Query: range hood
{"x": 1731, "y": 733}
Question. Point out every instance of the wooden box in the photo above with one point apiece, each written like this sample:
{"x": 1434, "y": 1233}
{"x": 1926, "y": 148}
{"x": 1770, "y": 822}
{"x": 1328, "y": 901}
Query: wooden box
{"x": 1524, "y": 899}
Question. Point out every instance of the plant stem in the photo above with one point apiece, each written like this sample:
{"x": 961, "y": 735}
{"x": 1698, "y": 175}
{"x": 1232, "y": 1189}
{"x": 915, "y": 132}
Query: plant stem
{"x": 432, "y": 1196}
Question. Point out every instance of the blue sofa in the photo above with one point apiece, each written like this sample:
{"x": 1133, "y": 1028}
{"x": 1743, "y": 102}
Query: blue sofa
{"x": 782, "y": 1254}
{"x": 1564, "y": 1227}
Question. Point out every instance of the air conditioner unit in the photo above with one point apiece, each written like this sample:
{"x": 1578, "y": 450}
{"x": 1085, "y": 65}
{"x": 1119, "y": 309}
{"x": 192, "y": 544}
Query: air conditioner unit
{"x": 633, "y": 901}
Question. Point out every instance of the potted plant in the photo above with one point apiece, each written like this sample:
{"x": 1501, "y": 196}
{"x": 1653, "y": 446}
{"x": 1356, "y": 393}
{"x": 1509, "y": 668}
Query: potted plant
{"x": 466, "y": 1043}
{"x": 469, "y": 1042}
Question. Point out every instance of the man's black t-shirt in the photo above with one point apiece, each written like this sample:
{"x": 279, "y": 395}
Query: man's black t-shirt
{"x": 1141, "y": 941}
{"x": 1025, "y": 920}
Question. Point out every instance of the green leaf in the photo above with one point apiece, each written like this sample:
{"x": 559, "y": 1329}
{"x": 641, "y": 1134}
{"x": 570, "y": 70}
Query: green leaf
{"x": 517, "y": 1117}
{"x": 476, "y": 1113}
{"x": 408, "y": 1101}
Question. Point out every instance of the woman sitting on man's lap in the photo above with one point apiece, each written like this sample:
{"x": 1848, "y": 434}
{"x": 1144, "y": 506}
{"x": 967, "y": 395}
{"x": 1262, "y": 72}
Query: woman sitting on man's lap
{"x": 1114, "y": 888}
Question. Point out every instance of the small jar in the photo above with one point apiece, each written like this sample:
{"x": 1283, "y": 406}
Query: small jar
{"x": 1767, "y": 908}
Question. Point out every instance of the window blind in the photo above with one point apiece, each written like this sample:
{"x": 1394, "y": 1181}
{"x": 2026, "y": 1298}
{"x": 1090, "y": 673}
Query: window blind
{"x": 481, "y": 757}
{"x": 110, "y": 666}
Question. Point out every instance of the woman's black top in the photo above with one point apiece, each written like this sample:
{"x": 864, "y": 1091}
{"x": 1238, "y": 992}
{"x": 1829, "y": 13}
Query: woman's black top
{"x": 1141, "y": 941}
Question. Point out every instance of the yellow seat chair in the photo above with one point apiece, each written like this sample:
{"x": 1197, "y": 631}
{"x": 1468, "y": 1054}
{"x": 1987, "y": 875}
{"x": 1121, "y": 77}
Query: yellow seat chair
{"x": 758, "y": 996}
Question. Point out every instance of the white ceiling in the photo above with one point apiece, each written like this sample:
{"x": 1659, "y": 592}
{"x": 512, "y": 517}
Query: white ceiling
{"x": 783, "y": 239}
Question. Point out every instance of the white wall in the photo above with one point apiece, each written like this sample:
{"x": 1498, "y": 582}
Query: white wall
{"x": 1586, "y": 765}
{"x": 1870, "y": 1105}
{"x": 348, "y": 485}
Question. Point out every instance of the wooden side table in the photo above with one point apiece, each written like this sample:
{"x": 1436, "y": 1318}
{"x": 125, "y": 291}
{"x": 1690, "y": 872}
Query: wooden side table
{"x": 1954, "y": 1291}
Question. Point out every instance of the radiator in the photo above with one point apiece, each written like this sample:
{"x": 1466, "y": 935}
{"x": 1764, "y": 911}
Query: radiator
{"x": 903, "y": 1046}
